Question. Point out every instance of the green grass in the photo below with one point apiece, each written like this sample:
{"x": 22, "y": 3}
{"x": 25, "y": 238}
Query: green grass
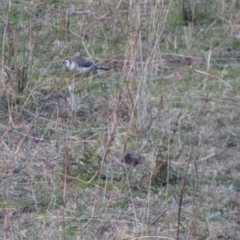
{"x": 172, "y": 97}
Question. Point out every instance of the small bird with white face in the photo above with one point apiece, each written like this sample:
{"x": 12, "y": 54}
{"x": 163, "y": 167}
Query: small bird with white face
{"x": 78, "y": 64}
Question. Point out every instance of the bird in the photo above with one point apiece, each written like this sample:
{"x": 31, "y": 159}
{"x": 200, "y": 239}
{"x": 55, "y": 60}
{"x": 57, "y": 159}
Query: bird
{"x": 78, "y": 64}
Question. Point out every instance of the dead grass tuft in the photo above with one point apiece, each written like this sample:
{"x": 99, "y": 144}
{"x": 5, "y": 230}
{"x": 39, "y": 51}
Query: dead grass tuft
{"x": 170, "y": 100}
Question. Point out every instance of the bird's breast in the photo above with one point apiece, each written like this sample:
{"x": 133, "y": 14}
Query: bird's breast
{"x": 83, "y": 69}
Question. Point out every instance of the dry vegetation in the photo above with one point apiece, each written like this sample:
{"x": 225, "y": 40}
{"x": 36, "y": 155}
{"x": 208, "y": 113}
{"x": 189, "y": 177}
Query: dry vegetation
{"x": 171, "y": 96}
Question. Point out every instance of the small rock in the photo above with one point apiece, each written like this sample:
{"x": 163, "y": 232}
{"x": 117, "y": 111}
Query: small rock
{"x": 131, "y": 157}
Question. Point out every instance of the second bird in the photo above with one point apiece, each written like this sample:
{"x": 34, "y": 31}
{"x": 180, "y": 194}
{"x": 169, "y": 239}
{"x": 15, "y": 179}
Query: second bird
{"x": 81, "y": 65}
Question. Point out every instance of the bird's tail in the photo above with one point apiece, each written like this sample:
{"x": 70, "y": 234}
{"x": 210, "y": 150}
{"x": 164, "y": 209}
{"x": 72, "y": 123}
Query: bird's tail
{"x": 101, "y": 68}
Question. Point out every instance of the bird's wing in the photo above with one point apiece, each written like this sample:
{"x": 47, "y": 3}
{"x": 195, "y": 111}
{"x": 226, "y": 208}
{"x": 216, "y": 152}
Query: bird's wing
{"x": 85, "y": 63}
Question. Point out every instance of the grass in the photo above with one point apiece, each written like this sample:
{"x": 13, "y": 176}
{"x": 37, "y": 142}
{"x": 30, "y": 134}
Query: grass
{"x": 171, "y": 96}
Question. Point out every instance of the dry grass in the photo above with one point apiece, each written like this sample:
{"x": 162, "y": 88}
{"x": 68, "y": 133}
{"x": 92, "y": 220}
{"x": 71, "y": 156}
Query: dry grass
{"x": 171, "y": 95}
